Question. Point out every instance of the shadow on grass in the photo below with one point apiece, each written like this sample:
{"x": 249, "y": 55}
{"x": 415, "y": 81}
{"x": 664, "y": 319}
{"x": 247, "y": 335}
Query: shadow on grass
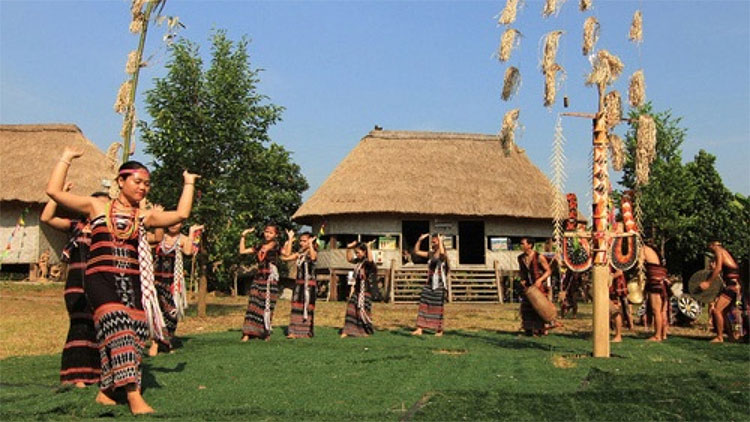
{"x": 506, "y": 340}
{"x": 148, "y": 379}
{"x": 216, "y": 309}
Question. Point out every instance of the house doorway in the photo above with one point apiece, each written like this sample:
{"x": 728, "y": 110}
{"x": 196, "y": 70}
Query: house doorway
{"x": 471, "y": 247}
{"x": 410, "y": 232}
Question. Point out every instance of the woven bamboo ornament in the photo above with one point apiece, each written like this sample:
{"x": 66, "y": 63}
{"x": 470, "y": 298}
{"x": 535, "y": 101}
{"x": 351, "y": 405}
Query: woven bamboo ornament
{"x": 637, "y": 89}
{"x": 617, "y": 151}
{"x": 508, "y": 42}
{"x": 590, "y": 34}
{"x": 606, "y": 69}
{"x": 511, "y": 82}
{"x": 508, "y": 15}
{"x": 552, "y": 7}
{"x": 550, "y": 83}
{"x": 612, "y": 109}
{"x": 551, "y": 43}
{"x": 507, "y": 132}
{"x": 636, "y": 28}
{"x": 557, "y": 162}
{"x": 585, "y": 5}
{"x": 645, "y": 151}
{"x": 123, "y": 97}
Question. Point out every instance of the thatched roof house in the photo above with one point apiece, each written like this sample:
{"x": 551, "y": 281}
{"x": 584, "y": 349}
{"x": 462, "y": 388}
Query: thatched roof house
{"x": 399, "y": 184}
{"x": 28, "y": 153}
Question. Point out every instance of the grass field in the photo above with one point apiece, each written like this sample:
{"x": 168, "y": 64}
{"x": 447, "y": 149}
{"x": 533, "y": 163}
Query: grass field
{"x": 480, "y": 370}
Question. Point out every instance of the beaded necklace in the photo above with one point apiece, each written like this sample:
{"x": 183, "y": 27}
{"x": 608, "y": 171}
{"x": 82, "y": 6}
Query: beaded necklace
{"x": 131, "y": 227}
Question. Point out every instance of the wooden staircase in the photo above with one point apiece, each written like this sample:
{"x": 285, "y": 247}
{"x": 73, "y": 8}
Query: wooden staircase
{"x": 464, "y": 284}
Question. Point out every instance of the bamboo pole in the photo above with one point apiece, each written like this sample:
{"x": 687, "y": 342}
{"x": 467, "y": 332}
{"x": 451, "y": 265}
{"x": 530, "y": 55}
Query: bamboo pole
{"x": 600, "y": 272}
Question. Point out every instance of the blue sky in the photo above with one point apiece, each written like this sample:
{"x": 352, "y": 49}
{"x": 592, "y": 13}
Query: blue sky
{"x": 340, "y": 68}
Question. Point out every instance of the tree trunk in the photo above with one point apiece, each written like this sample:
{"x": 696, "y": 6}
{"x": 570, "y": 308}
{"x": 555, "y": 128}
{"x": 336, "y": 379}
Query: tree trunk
{"x": 202, "y": 281}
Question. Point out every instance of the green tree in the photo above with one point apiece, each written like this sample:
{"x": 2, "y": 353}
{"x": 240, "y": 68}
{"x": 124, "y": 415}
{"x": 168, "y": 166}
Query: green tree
{"x": 215, "y": 122}
{"x": 667, "y": 197}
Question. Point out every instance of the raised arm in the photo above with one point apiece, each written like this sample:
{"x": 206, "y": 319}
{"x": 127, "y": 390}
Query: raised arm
{"x": 157, "y": 218}
{"x": 312, "y": 250}
{"x": 417, "y": 247}
{"x": 56, "y": 186}
{"x": 369, "y": 250}
{"x": 48, "y": 214}
{"x": 441, "y": 246}
{"x": 350, "y": 251}
{"x": 286, "y": 251}
{"x": 187, "y": 245}
{"x": 245, "y": 250}
{"x": 718, "y": 264}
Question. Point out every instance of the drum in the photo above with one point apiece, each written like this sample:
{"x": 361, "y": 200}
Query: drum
{"x": 541, "y": 304}
{"x": 635, "y": 291}
{"x": 704, "y": 296}
{"x": 689, "y": 309}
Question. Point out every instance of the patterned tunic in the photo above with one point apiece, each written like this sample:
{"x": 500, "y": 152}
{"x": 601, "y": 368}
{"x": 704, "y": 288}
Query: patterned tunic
{"x": 358, "y": 321}
{"x": 432, "y": 298}
{"x": 302, "y": 318}
{"x": 263, "y": 295}
{"x": 80, "y": 356}
{"x": 164, "y": 262}
{"x": 113, "y": 288}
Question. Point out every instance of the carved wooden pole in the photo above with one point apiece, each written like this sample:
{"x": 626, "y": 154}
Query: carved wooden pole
{"x": 600, "y": 274}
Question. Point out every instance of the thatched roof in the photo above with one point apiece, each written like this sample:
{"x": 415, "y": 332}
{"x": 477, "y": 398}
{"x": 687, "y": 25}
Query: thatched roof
{"x": 432, "y": 173}
{"x": 28, "y": 153}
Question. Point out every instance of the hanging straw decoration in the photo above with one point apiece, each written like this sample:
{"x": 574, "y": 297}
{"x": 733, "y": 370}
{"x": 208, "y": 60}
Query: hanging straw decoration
{"x": 636, "y": 28}
{"x": 128, "y": 123}
{"x": 507, "y": 133}
{"x": 606, "y": 68}
{"x": 551, "y": 42}
{"x": 612, "y": 109}
{"x": 557, "y": 162}
{"x": 645, "y": 151}
{"x": 511, "y": 83}
{"x": 585, "y": 5}
{"x": 617, "y": 151}
{"x": 590, "y": 34}
{"x": 508, "y": 15}
{"x": 552, "y": 7}
{"x": 132, "y": 64}
{"x": 508, "y": 42}
{"x": 637, "y": 89}
{"x": 550, "y": 83}
{"x": 123, "y": 97}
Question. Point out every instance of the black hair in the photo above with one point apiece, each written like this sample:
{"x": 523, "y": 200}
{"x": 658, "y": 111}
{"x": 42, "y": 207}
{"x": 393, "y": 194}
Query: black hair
{"x": 361, "y": 246}
{"x": 130, "y": 165}
{"x": 308, "y": 234}
{"x": 100, "y": 194}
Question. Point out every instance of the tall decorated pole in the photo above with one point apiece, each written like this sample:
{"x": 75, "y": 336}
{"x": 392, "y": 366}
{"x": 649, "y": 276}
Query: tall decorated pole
{"x": 600, "y": 275}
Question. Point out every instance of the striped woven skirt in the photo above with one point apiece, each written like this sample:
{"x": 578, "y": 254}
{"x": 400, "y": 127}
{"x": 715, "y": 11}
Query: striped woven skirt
{"x": 254, "y": 326}
{"x": 168, "y": 311}
{"x": 122, "y": 333}
{"x": 431, "y": 304}
{"x": 356, "y": 323}
{"x": 80, "y": 356}
{"x": 300, "y": 326}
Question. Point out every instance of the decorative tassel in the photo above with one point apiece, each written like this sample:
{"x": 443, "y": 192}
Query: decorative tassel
{"x": 511, "y": 83}
{"x": 508, "y": 15}
{"x": 617, "y": 150}
{"x": 557, "y": 162}
{"x": 646, "y": 148}
{"x": 507, "y": 133}
{"x": 606, "y": 68}
{"x": 612, "y": 109}
{"x": 551, "y": 42}
{"x": 552, "y": 7}
{"x": 637, "y": 90}
{"x": 123, "y": 97}
{"x": 590, "y": 34}
{"x": 636, "y": 28}
{"x": 550, "y": 83}
{"x": 584, "y": 5}
{"x": 507, "y": 43}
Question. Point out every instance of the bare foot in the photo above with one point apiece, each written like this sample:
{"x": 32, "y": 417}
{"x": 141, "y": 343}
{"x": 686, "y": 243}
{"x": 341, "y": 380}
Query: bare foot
{"x": 154, "y": 349}
{"x": 104, "y": 399}
{"x": 654, "y": 338}
{"x": 717, "y": 340}
{"x": 267, "y": 339}
{"x": 80, "y": 384}
{"x": 439, "y": 334}
{"x": 617, "y": 339}
{"x": 344, "y": 335}
{"x": 417, "y": 332}
{"x": 245, "y": 339}
{"x": 138, "y": 406}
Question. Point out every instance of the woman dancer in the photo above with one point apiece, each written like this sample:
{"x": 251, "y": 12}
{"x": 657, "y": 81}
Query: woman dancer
{"x": 80, "y": 357}
{"x": 358, "y": 321}
{"x": 265, "y": 288}
{"x": 170, "y": 281}
{"x": 119, "y": 272}
{"x": 432, "y": 298}
{"x": 302, "y": 318}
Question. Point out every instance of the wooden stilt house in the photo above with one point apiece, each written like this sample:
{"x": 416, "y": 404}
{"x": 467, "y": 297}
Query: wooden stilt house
{"x": 396, "y": 185}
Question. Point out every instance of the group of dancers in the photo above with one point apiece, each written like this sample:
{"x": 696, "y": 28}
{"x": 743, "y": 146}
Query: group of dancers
{"x": 125, "y": 282}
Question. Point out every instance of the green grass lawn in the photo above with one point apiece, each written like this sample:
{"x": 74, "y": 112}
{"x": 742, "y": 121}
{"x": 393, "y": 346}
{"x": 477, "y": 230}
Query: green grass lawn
{"x": 393, "y": 376}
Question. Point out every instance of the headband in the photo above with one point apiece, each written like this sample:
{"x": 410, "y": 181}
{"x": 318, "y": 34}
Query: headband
{"x": 126, "y": 172}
